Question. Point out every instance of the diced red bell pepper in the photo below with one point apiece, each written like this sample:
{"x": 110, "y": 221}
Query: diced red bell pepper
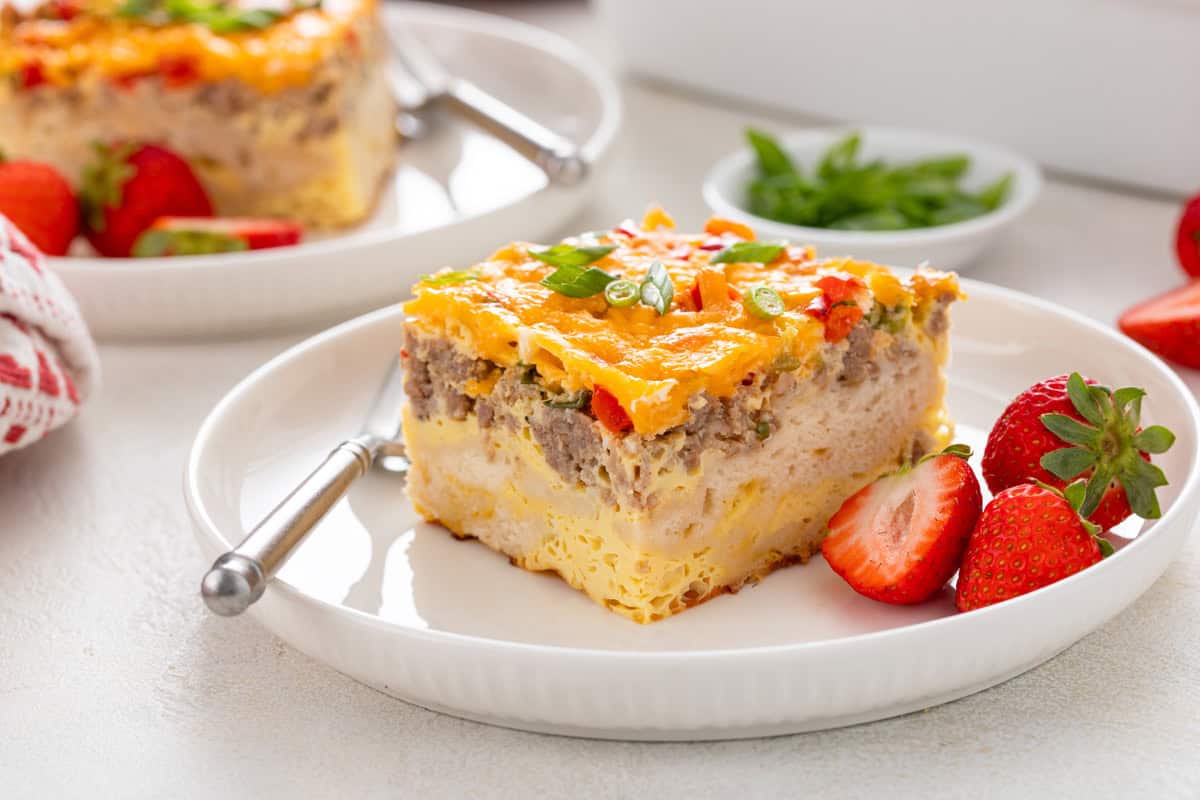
{"x": 839, "y": 286}
{"x": 608, "y": 410}
{"x": 842, "y": 319}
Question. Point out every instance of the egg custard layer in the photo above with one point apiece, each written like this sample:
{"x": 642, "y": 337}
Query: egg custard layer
{"x": 655, "y": 456}
{"x": 282, "y": 108}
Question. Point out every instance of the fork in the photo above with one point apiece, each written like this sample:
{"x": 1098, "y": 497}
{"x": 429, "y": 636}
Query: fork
{"x": 556, "y": 155}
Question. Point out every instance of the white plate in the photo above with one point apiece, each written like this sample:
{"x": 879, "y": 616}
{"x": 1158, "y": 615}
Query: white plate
{"x": 945, "y": 246}
{"x": 449, "y": 625}
{"x": 454, "y": 195}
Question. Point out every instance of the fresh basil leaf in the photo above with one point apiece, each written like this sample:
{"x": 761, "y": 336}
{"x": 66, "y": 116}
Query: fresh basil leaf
{"x": 749, "y": 253}
{"x": 771, "y": 158}
{"x": 257, "y": 18}
{"x": 953, "y": 166}
{"x": 581, "y": 400}
{"x": 847, "y": 193}
{"x": 959, "y": 209}
{"x": 839, "y": 157}
{"x": 568, "y": 255}
{"x": 885, "y": 219}
{"x": 657, "y": 290}
{"x": 136, "y": 9}
{"x": 994, "y": 194}
{"x": 451, "y": 277}
{"x": 576, "y": 282}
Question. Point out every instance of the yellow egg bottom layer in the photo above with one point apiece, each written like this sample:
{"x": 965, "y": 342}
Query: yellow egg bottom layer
{"x": 498, "y": 488}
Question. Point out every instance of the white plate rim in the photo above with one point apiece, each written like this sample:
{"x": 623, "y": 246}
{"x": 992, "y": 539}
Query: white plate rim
{"x": 1027, "y": 186}
{"x": 521, "y": 33}
{"x": 205, "y": 527}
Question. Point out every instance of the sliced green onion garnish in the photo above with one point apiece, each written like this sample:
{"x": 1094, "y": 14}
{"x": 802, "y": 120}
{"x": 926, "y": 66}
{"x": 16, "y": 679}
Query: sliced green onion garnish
{"x": 622, "y": 293}
{"x": 763, "y": 302}
{"x": 581, "y": 400}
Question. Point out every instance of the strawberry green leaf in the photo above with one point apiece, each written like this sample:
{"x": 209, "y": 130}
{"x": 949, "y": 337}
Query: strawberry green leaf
{"x": 1139, "y": 485}
{"x": 1106, "y": 548}
{"x": 1155, "y": 439}
{"x": 1129, "y": 402}
{"x": 1069, "y": 462}
{"x": 1141, "y": 498}
{"x": 1093, "y": 493}
{"x": 1083, "y": 400}
{"x": 104, "y": 179}
{"x": 1071, "y": 430}
{"x": 1074, "y": 493}
{"x": 960, "y": 450}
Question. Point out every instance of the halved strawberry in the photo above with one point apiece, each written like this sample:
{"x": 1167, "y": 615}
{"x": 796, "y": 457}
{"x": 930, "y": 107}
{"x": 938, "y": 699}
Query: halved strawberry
{"x": 1169, "y": 324}
{"x": 178, "y": 236}
{"x": 901, "y": 538}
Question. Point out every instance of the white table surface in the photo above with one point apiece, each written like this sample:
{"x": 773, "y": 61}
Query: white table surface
{"x": 114, "y": 681}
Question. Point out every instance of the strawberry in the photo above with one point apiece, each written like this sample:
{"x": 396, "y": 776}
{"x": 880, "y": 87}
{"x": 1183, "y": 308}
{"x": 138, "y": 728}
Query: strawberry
{"x": 901, "y": 538}
{"x": 1187, "y": 238}
{"x": 1067, "y": 427}
{"x": 1029, "y": 536}
{"x": 39, "y": 201}
{"x": 179, "y": 236}
{"x": 1169, "y": 324}
{"x": 129, "y": 186}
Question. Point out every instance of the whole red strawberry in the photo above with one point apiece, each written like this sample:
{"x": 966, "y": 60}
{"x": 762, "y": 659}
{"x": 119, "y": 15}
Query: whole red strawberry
{"x": 1028, "y": 536}
{"x": 40, "y": 202}
{"x": 1067, "y": 427}
{"x": 901, "y": 538}
{"x": 1187, "y": 237}
{"x": 129, "y": 186}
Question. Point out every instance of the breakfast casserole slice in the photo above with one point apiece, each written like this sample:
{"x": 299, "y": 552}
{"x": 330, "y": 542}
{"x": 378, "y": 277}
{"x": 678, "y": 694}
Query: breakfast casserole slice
{"x": 659, "y": 417}
{"x": 282, "y": 108}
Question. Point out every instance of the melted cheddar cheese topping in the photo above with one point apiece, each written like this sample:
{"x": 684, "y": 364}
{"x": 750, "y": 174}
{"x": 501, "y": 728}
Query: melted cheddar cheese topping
{"x": 94, "y": 43}
{"x": 653, "y": 364}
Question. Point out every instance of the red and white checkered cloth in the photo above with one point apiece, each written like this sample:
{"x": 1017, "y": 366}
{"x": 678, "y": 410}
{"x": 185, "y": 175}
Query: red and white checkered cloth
{"x": 48, "y": 362}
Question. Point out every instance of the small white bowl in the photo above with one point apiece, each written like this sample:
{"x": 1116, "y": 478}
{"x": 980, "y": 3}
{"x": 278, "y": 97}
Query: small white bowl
{"x": 945, "y": 247}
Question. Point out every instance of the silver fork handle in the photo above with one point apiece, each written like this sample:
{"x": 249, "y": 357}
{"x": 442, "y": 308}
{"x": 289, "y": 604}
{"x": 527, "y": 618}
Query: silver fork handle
{"x": 558, "y": 157}
{"x": 237, "y": 578}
